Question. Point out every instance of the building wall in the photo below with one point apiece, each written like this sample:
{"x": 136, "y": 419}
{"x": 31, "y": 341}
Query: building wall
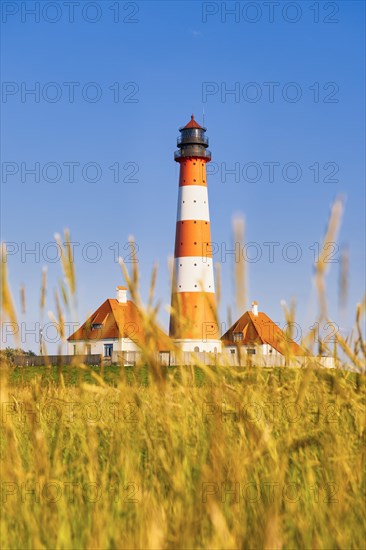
{"x": 209, "y": 346}
{"x": 267, "y": 349}
{"x": 97, "y": 346}
{"x": 264, "y": 349}
{"x": 229, "y": 355}
{"x": 262, "y": 358}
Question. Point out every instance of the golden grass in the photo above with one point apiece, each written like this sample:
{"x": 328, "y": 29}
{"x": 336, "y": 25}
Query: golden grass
{"x": 245, "y": 460}
{"x": 210, "y": 458}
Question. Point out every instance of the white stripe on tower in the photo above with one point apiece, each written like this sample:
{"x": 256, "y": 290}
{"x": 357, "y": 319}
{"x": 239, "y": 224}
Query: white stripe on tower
{"x": 193, "y": 203}
{"x": 194, "y": 274}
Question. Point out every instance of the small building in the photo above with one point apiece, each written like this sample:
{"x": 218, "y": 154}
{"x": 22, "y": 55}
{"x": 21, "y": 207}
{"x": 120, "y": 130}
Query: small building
{"x": 115, "y": 330}
{"x": 257, "y": 338}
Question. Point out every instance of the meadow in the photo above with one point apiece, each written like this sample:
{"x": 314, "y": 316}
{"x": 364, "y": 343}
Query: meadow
{"x": 258, "y": 458}
{"x": 187, "y": 457}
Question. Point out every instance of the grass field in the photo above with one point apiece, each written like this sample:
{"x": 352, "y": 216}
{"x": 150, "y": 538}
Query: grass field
{"x": 249, "y": 459}
{"x": 184, "y": 457}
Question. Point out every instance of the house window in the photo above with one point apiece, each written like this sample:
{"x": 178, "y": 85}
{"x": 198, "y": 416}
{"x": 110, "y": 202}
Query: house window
{"x": 74, "y": 346}
{"x": 251, "y": 351}
{"x": 95, "y": 326}
{"x": 237, "y": 336}
{"x": 232, "y": 350}
{"x": 108, "y": 349}
{"x": 88, "y": 349}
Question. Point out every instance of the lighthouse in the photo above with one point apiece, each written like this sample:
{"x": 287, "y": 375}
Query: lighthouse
{"x": 193, "y": 320}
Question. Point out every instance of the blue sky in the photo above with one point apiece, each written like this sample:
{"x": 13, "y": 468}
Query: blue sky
{"x": 167, "y": 60}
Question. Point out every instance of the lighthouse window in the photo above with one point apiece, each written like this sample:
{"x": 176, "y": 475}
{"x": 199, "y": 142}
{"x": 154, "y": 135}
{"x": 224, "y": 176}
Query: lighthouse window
{"x": 195, "y": 264}
{"x": 194, "y": 201}
{"x": 194, "y": 222}
{"x": 195, "y": 286}
{"x": 195, "y": 242}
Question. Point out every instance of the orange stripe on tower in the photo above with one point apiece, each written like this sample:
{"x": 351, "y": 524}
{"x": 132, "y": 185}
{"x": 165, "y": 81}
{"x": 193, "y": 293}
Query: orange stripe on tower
{"x": 196, "y": 318}
{"x": 192, "y": 172}
{"x": 193, "y": 238}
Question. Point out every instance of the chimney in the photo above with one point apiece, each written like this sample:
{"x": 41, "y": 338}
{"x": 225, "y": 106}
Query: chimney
{"x": 255, "y": 308}
{"x": 121, "y": 294}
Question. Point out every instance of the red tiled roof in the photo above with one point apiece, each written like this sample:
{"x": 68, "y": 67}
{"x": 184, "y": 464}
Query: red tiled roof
{"x": 192, "y": 124}
{"x": 260, "y": 329}
{"x": 118, "y": 320}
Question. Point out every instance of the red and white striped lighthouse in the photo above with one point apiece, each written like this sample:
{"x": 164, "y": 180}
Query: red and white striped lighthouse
{"x": 193, "y": 321}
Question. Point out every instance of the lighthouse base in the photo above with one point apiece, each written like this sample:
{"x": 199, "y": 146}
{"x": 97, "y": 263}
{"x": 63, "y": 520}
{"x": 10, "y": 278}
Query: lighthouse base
{"x": 196, "y": 346}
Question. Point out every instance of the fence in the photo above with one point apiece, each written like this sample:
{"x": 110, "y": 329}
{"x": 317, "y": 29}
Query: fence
{"x": 225, "y": 359}
{"x": 130, "y": 358}
{"x": 39, "y": 360}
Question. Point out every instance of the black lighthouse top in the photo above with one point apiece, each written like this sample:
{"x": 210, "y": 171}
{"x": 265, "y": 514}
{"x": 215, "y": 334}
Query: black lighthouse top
{"x": 192, "y": 142}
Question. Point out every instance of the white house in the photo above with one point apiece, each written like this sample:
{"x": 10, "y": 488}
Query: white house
{"x": 116, "y": 327}
{"x": 254, "y": 334}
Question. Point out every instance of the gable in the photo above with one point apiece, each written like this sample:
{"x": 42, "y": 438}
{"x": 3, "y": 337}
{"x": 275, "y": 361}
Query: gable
{"x": 260, "y": 329}
{"x": 102, "y": 316}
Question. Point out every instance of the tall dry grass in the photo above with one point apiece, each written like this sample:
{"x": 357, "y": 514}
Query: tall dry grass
{"x": 189, "y": 457}
{"x": 244, "y": 460}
